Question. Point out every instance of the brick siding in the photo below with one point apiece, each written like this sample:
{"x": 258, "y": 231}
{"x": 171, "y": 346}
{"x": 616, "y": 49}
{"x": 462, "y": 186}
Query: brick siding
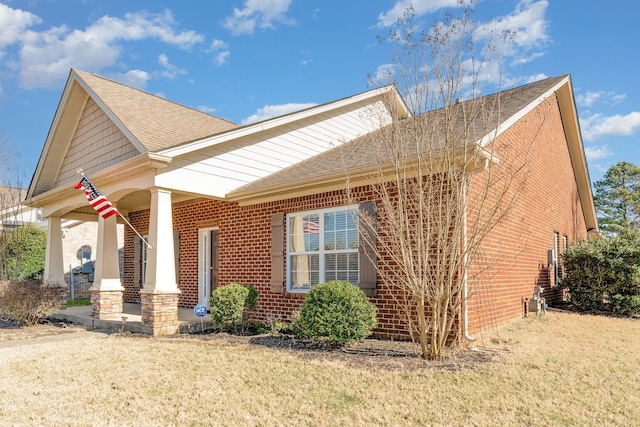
{"x": 516, "y": 249}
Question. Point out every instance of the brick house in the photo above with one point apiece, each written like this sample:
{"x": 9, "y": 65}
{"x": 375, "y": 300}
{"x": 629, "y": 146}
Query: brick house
{"x": 222, "y": 203}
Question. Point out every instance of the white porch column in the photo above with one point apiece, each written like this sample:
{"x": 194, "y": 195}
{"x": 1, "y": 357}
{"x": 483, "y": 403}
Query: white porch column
{"x": 159, "y": 295}
{"x": 53, "y": 259}
{"x": 160, "y": 274}
{"x": 107, "y": 290}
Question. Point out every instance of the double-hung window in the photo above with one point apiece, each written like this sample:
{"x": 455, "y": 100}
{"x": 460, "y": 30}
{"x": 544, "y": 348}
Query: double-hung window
{"x": 322, "y": 245}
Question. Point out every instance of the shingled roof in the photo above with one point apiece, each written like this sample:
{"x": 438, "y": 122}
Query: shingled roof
{"x": 155, "y": 122}
{"x": 362, "y": 153}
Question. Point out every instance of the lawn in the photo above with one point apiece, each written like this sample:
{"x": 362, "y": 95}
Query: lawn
{"x": 564, "y": 369}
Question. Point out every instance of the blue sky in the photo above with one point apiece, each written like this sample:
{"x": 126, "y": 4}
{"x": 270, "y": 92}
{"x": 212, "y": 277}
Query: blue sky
{"x": 246, "y": 60}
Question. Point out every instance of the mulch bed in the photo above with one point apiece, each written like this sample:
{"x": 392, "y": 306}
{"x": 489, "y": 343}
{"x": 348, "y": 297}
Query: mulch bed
{"x": 370, "y": 354}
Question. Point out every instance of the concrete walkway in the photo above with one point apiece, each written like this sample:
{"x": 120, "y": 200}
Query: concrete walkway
{"x": 132, "y": 320}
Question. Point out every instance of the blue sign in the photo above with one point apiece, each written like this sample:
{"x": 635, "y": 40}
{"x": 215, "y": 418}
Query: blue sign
{"x": 200, "y": 310}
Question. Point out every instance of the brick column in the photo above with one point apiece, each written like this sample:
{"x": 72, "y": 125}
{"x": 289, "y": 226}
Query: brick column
{"x": 159, "y": 295}
{"x": 106, "y": 304}
{"x": 160, "y": 312}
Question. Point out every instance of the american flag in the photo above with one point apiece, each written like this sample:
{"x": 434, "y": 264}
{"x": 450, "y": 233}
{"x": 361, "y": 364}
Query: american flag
{"x": 96, "y": 199}
{"x": 311, "y": 227}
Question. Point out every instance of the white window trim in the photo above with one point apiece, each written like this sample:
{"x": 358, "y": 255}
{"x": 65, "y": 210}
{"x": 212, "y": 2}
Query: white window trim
{"x": 321, "y": 252}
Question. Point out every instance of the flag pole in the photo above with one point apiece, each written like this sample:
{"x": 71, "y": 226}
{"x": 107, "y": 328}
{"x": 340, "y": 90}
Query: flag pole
{"x": 81, "y": 172}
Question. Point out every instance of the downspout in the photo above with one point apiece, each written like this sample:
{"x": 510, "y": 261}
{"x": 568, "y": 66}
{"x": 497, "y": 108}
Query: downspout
{"x": 465, "y": 283}
{"x": 465, "y": 278}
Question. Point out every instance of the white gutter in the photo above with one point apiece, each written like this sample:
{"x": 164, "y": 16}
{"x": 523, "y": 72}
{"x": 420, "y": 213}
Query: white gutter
{"x": 465, "y": 282}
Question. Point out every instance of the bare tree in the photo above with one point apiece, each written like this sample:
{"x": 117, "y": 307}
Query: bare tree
{"x": 438, "y": 190}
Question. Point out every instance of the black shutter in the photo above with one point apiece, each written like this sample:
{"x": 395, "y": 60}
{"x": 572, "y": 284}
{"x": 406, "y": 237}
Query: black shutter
{"x": 366, "y": 250}
{"x": 176, "y": 254}
{"x": 277, "y": 253}
{"x": 137, "y": 261}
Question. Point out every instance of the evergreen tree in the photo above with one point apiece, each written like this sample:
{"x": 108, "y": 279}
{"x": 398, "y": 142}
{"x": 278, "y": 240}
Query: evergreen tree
{"x": 617, "y": 199}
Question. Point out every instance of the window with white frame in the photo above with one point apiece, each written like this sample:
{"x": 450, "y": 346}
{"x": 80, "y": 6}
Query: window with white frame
{"x": 322, "y": 245}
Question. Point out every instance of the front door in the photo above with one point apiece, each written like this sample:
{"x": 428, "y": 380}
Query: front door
{"x": 208, "y": 265}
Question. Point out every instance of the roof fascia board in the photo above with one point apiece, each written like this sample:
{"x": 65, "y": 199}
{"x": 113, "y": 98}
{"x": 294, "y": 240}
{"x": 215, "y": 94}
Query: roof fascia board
{"x": 64, "y": 100}
{"x": 492, "y": 135}
{"x": 356, "y": 177}
{"x": 571, "y": 124}
{"x": 118, "y": 172}
{"x": 284, "y": 120}
{"x": 105, "y": 108}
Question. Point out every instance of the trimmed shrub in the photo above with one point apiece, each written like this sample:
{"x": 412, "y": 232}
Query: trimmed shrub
{"x": 230, "y": 305}
{"x": 337, "y": 311}
{"x": 604, "y": 274}
{"x": 29, "y": 302}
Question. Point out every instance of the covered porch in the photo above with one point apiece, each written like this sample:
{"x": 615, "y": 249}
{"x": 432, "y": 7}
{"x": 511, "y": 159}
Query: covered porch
{"x": 131, "y": 320}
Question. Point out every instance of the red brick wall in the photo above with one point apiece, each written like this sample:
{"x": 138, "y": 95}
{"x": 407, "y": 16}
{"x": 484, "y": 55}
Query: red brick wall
{"x": 534, "y": 151}
{"x": 516, "y": 248}
{"x": 244, "y": 251}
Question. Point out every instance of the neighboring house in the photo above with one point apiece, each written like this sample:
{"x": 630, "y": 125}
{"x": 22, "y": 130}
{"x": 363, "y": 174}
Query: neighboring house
{"x": 221, "y": 203}
{"x": 78, "y": 244}
{"x": 13, "y": 213}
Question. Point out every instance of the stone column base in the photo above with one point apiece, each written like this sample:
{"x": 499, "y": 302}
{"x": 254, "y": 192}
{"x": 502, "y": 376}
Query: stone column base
{"x": 160, "y": 312}
{"x": 106, "y": 304}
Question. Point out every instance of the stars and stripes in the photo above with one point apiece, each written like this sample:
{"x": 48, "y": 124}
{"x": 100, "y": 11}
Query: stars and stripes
{"x": 96, "y": 199}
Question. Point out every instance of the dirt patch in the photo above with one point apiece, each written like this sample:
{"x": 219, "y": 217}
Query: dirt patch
{"x": 10, "y": 330}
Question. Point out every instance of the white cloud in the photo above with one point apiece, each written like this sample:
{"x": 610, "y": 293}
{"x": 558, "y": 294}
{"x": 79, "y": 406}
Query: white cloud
{"x": 221, "y": 50}
{"x": 13, "y": 24}
{"x": 385, "y": 74}
{"x": 519, "y": 33}
{"x": 260, "y": 13}
{"x": 306, "y": 57}
{"x": 217, "y": 45}
{"x": 205, "y": 109}
{"x": 47, "y": 56}
{"x": 420, "y": 7}
{"x": 134, "y": 78}
{"x": 597, "y": 153}
{"x": 615, "y": 99}
{"x": 221, "y": 57}
{"x": 597, "y": 125}
{"x": 270, "y": 111}
{"x": 171, "y": 71}
{"x": 591, "y": 98}
{"x": 536, "y": 78}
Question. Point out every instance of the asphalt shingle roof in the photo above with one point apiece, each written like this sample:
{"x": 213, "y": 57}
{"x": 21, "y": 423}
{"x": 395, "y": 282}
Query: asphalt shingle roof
{"x": 154, "y": 121}
{"x": 479, "y": 117}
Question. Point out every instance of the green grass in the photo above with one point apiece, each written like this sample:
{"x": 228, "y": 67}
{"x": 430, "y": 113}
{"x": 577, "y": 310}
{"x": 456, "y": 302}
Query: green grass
{"x": 78, "y": 302}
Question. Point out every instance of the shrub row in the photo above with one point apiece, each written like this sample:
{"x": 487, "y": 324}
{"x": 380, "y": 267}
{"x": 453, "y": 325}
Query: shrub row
{"x": 336, "y": 311}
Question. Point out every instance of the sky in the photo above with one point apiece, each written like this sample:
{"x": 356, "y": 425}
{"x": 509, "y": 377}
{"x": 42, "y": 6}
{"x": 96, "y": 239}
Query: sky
{"x": 248, "y": 60}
